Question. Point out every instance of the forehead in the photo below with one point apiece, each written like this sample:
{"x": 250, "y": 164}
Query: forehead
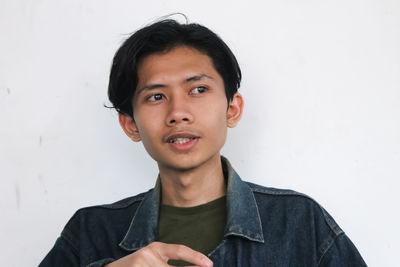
{"x": 175, "y": 64}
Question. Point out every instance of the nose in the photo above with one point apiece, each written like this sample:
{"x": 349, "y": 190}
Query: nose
{"x": 179, "y": 112}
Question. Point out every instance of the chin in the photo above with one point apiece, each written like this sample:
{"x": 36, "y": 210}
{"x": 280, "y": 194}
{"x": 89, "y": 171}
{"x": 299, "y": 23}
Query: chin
{"x": 181, "y": 164}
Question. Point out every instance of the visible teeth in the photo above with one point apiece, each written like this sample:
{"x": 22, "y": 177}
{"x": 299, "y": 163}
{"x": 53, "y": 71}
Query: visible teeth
{"x": 181, "y": 140}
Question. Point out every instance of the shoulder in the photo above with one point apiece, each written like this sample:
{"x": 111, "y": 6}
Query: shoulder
{"x": 120, "y": 206}
{"x": 294, "y": 206}
{"x": 256, "y": 188}
{"x": 297, "y": 220}
{"x": 110, "y": 220}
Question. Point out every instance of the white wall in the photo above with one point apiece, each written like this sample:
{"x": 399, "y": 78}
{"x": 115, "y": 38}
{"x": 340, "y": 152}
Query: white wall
{"x": 321, "y": 80}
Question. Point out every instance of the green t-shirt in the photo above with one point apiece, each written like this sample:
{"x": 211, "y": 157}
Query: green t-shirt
{"x": 200, "y": 228}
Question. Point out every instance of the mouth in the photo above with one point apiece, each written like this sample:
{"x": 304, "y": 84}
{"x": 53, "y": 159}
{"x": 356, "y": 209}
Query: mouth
{"x": 181, "y": 140}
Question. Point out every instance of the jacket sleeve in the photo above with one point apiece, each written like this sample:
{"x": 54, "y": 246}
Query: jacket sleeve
{"x": 342, "y": 253}
{"x": 64, "y": 255}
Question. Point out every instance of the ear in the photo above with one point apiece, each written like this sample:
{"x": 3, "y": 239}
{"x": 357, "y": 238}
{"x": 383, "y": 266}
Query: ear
{"x": 235, "y": 110}
{"x": 128, "y": 124}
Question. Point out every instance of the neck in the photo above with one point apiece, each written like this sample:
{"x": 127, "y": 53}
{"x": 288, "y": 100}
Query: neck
{"x": 193, "y": 187}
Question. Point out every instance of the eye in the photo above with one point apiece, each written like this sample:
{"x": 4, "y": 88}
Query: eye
{"x": 198, "y": 90}
{"x": 155, "y": 97}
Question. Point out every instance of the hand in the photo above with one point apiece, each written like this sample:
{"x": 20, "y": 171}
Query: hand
{"x": 157, "y": 254}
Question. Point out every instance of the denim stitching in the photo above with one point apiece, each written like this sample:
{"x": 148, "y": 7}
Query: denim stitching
{"x": 124, "y": 203}
{"x": 69, "y": 241}
{"x": 327, "y": 249}
{"x": 130, "y": 226}
{"x": 215, "y": 249}
{"x": 259, "y": 220}
{"x": 281, "y": 192}
{"x": 245, "y": 236}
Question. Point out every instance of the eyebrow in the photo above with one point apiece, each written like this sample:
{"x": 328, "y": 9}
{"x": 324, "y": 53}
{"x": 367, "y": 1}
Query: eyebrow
{"x": 197, "y": 77}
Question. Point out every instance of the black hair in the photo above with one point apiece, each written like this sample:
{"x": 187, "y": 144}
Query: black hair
{"x": 163, "y": 36}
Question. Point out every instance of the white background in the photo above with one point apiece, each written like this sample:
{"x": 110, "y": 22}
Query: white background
{"x": 321, "y": 80}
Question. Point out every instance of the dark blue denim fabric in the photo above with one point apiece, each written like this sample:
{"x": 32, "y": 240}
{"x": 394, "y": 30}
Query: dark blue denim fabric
{"x": 265, "y": 227}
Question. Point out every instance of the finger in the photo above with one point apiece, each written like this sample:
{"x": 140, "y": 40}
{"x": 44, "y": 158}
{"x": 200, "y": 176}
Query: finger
{"x": 181, "y": 252}
{"x": 148, "y": 257}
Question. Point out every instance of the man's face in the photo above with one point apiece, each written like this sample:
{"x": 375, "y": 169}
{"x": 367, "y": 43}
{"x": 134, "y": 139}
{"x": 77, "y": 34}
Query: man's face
{"x": 181, "y": 113}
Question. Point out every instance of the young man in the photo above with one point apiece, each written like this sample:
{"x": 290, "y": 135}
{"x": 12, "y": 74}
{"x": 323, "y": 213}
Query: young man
{"x": 175, "y": 88}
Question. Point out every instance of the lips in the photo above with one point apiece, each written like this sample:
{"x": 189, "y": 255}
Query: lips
{"x": 182, "y": 142}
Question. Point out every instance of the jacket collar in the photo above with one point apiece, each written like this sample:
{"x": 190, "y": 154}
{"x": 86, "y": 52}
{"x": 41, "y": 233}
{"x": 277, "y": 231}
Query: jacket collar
{"x": 243, "y": 218}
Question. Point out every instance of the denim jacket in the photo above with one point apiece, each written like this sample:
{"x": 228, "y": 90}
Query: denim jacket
{"x": 265, "y": 227}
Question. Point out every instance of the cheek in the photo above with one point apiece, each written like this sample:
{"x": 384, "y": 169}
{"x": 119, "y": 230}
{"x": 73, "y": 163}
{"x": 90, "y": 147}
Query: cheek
{"x": 220, "y": 110}
{"x": 147, "y": 127}
{"x": 213, "y": 113}
{"x": 218, "y": 121}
